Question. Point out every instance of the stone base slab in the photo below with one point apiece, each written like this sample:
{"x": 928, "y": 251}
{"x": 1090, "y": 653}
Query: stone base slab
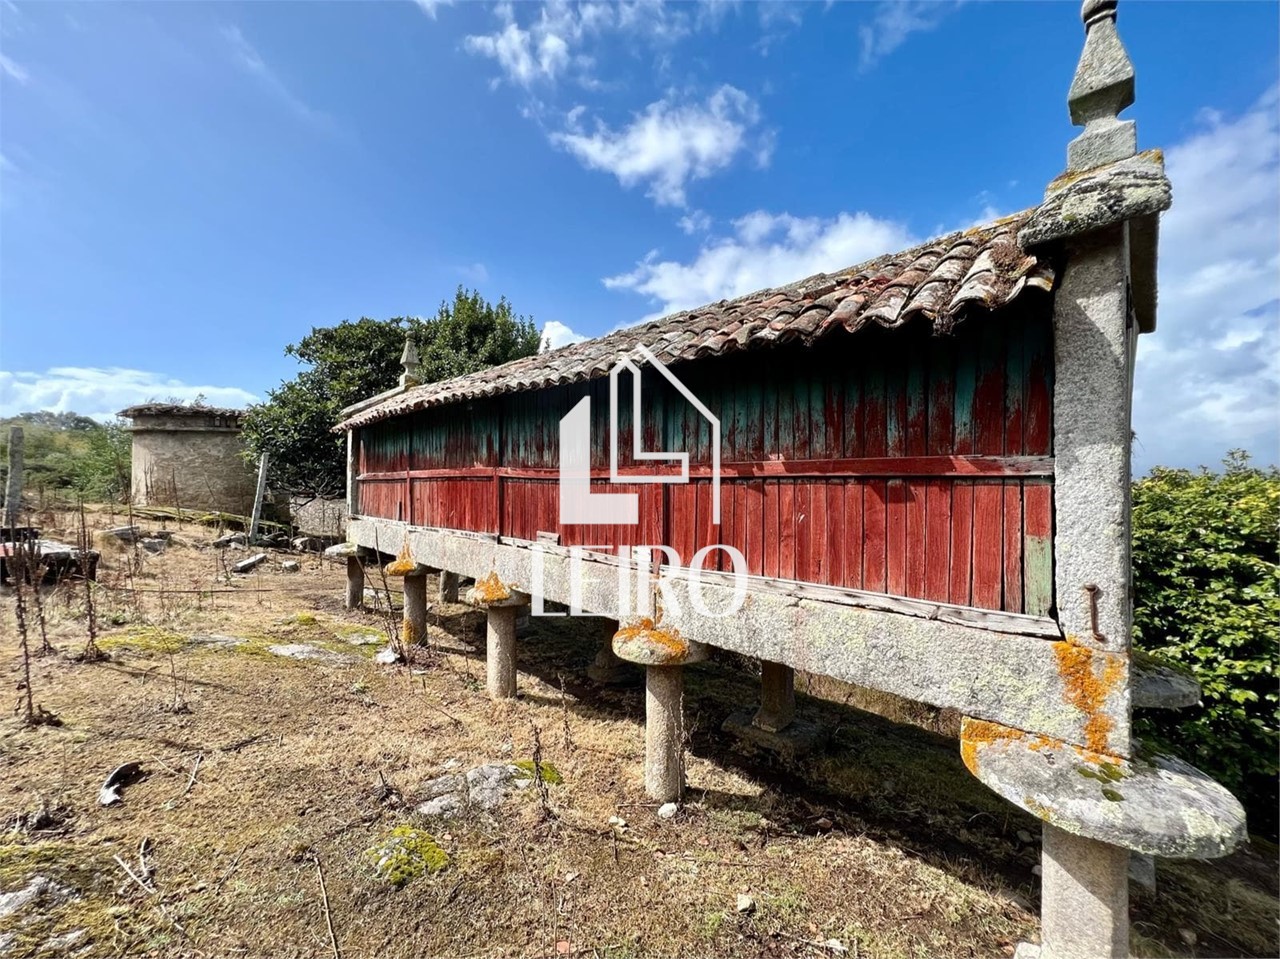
{"x": 799, "y": 739}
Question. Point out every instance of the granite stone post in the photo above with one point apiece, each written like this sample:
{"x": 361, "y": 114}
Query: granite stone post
{"x": 355, "y": 583}
{"x": 777, "y": 697}
{"x": 448, "y": 587}
{"x": 415, "y": 609}
{"x": 664, "y": 733}
{"x": 1084, "y": 912}
{"x": 607, "y": 668}
{"x": 500, "y": 662}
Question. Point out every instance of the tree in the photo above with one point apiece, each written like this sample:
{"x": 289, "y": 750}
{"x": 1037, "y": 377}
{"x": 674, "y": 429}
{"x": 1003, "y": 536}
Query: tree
{"x": 354, "y": 361}
{"x": 1206, "y": 575}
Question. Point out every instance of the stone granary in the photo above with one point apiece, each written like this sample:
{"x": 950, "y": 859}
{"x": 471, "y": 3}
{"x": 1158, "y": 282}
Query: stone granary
{"x": 922, "y": 463}
{"x": 189, "y": 457}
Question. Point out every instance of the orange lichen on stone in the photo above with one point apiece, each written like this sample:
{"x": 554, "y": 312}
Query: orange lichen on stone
{"x": 976, "y": 733}
{"x": 490, "y": 589}
{"x": 403, "y": 564}
{"x": 1087, "y": 691}
{"x": 648, "y": 631}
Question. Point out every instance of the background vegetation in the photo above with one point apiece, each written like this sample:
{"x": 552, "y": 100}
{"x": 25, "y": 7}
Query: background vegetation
{"x": 354, "y": 361}
{"x": 70, "y": 453}
{"x": 1206, "y": 573}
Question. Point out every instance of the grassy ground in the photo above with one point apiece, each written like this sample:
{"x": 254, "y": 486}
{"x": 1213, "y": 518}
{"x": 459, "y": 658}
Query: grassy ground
{"x": 884, "y": 846}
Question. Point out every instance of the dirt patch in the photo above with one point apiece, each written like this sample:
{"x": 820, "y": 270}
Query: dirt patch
{"x": 885, "y": 843}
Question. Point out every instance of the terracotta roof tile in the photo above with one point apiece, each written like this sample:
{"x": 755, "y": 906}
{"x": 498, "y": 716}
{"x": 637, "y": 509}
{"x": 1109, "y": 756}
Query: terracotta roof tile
{"x": 943, "y": 280}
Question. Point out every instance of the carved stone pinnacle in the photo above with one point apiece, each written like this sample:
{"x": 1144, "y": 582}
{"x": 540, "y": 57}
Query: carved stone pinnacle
{"x": 1102, "y": 87}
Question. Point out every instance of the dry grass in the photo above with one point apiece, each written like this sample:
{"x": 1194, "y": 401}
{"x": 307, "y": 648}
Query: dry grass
{"x": 300, "y": 759}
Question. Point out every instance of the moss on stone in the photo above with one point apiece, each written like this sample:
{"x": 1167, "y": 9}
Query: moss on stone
{"x": 405, "y": 854}
{"x": 550, "y": 774}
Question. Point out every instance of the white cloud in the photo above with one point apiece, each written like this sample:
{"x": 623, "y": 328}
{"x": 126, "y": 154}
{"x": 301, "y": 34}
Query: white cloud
{"x": 765, "y": 250}
{"x": 696, "y": 221}
{"x": 555, "y": 335}
{"x": 669, "y": 144}
{"x": 1208, "y": 379}
{"x": 474, "y": 272}
{"x": 430, "y": 7}
{"x": 547, "y": 48}
{"x": 251, "y": 62}
{"x": 102, "y": 392}
{"x": 14, "y": 70}
{"x": 893, "y": 22}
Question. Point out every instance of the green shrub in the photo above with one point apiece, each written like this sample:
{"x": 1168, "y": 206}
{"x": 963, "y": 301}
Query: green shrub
{"x": 1206, "y": 569}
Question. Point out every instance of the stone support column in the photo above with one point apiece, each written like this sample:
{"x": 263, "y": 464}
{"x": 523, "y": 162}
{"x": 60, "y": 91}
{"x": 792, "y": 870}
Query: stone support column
{"x": 664, "y": 654}
{"x": 414, "y": 630}
{"x": 777, "y": 697}
{"x": 448, "y": 587}
{"x": 607, "y": 669}
{"x": 500, "y": 656}
{"x": 664, "y": 733}
{"x": 1084, "y": 912}
{"x": 355, "y": 583}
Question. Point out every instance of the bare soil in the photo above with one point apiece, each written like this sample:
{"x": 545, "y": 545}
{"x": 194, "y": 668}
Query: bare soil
{"x": 260, "y": 772}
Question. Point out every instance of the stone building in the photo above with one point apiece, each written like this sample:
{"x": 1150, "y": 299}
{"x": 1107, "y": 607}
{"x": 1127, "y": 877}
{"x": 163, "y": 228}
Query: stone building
{"x": 189, "y": 456}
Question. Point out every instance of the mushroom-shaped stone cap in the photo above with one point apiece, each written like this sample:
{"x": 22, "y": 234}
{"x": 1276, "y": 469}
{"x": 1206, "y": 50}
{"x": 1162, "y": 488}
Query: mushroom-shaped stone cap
{"x": 491, "y": 592}
{"x": 1154, "y": 804}
{"x": 647, "y": 643}
{"x": 340, "y": 550}
{"x": 404, "y": 565}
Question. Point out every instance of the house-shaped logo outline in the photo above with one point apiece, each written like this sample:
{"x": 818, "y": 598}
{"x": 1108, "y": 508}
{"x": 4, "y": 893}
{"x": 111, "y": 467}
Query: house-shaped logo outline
{"x": 578, "y": 504}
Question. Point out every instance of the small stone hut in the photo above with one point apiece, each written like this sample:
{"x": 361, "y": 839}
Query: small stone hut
{"x": 189, "y": 456}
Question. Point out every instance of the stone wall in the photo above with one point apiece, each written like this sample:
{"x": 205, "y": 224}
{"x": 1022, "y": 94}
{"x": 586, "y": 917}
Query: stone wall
{"x": 319, "y": 516}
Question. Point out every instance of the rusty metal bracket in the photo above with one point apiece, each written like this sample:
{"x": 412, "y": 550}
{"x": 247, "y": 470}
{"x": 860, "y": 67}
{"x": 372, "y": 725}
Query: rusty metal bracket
{"x": 1092, "y": 590}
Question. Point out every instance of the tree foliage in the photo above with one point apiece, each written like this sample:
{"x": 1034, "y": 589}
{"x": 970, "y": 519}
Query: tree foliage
{"x": 354, "y": 361}
{"x": 67, "y": 451}
{"x": 1206, "y": 570}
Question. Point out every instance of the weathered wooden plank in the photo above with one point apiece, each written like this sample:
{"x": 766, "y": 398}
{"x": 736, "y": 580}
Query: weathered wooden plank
{"x": 805, "y": 553}
{"x": 896, "y": 538}
{"x": 937, "y": 540}
{"x": 988, "y": 567}
{"x": 835, "y": 525}
{"x": 1037, "y": 550}
{"x": 747, "y": 523}
{"x": 854, "y": 540}
{"x": 961, "y": 559}
{"x": 874, "y": 520}
{"x": 786, "y": 529}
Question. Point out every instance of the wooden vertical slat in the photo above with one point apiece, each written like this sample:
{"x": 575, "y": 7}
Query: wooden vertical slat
{"x": 788, "y": 541}
{"x": 853, "y": 534}
{"x": 754, "y": 551}
{"x": 765, "y": 517}
{"x": 804, "y": 550}
{"x": 1014, "y": 393}
{"x": 988, "y": 424}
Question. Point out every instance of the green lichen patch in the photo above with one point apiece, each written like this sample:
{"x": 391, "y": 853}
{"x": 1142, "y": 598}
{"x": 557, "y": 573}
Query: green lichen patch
{"x": 405, "y": 854}
{"x": 1111, "y": 795}
{"x": 305, "y": 619}
{"x": 550, "y": 775}
{"x": 144, "y": 639}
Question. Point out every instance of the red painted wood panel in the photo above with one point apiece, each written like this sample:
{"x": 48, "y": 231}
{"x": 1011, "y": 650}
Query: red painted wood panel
{"x": 855, "y": 463}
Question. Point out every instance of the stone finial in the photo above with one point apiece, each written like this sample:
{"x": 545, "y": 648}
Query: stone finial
{"x": 1102, "y": 87}
{"x": 412, "y": 375}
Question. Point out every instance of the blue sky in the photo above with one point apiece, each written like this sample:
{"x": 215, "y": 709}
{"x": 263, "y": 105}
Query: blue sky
{"x": 185, "y": 188}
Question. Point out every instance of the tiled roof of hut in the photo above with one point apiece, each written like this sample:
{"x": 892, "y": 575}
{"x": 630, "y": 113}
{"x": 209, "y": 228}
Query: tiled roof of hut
{"x": 942, "y": 280}
{"x": 177, "y": 409}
